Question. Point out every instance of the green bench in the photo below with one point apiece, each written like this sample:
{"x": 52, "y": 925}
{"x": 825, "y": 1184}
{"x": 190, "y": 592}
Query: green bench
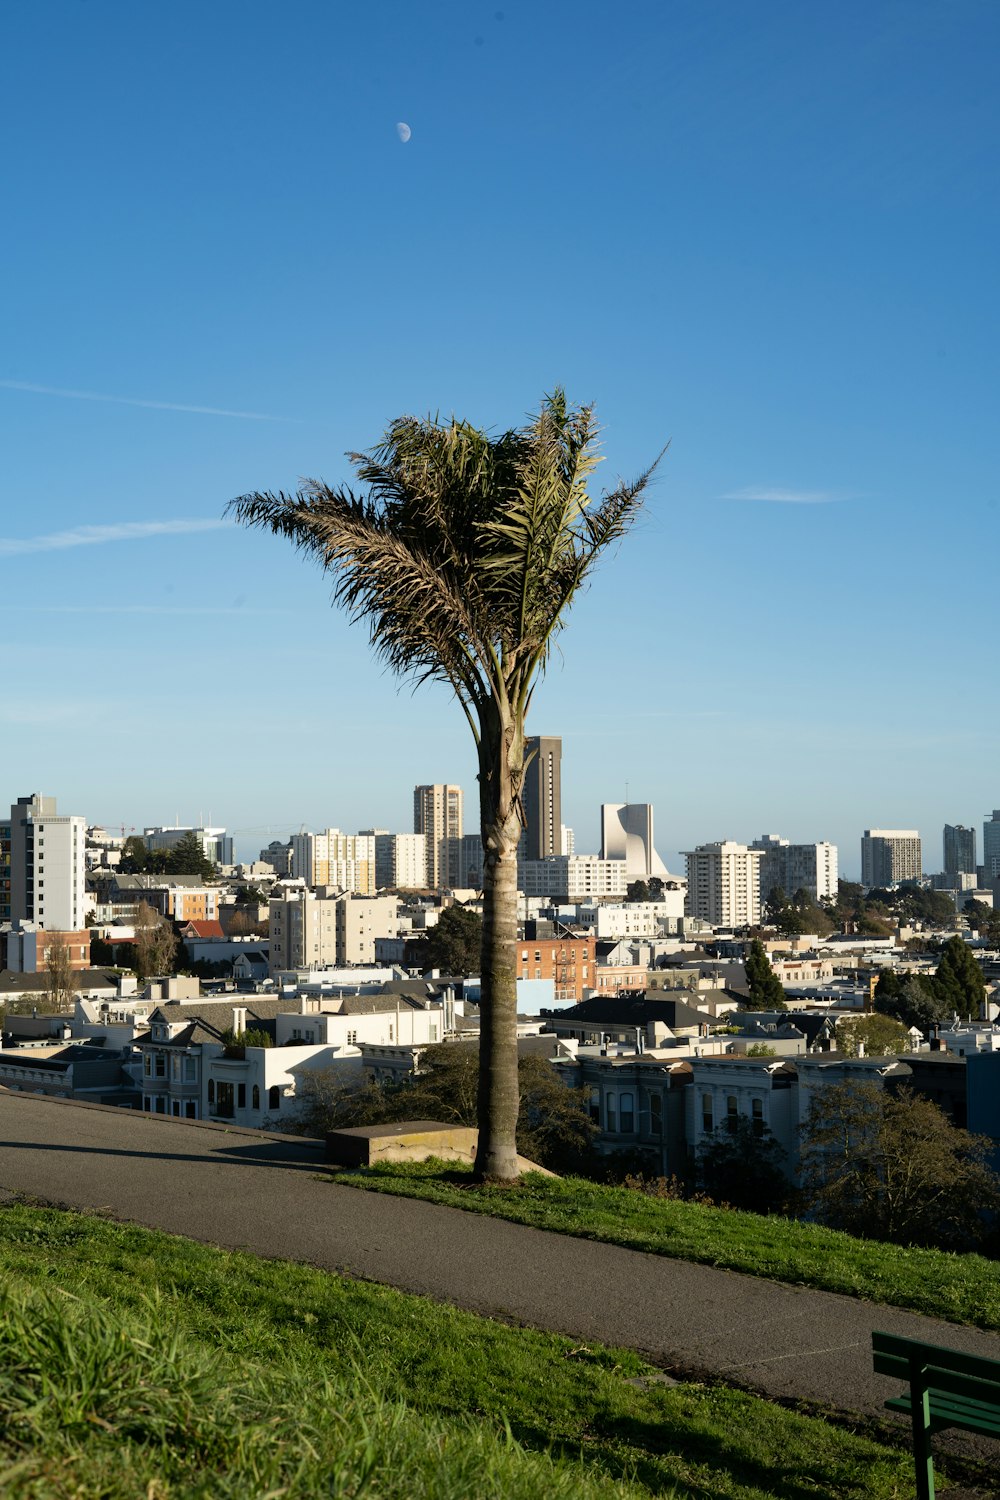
{"x": 947, "y": 1389}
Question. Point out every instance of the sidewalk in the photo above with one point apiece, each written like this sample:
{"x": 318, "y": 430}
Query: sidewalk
{"x": 242, "y": 1189}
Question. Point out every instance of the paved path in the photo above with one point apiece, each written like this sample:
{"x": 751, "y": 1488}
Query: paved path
{"x": 242, "y": 1189}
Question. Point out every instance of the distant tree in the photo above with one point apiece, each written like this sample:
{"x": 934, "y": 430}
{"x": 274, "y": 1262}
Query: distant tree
{"x": 881, "y": 1036}
{"x": 911, "y": 999}
{"x": 959, "y": 982}
{"x": 60, "y": 993}
{"x": 134, "y": 855}
{"x": 761, "y": 1049}
{"x": 655, "y": 888}
{"x": 766, "y": 992}
{"x": 776, "y": 905}
{"x": 454, "y": 943}
{"x": 743, "y": 1168}
{"x": 155, "y": 948}
{"x": 893, "y": 1167}
{"x": 188, "y": 857}
{"x": 637, "y": 890}
{"x": 254, "y": 1036}
{"x": 983, "y": 919}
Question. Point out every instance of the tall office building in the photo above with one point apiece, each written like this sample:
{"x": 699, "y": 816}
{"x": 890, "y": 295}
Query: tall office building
{"x": 991, "y": 846}
{"x": 627, "y": 833}
{"x": 959, "y": 849}
{"x": 724, "y": 884}
{"x": 890, "y": 856}
{"x": 437, "y": 814}
{"x": 542, "y": 797}
{"x": 46, "y": 865}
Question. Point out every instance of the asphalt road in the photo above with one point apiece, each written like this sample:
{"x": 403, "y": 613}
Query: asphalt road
{"x": 243, "y": 1190}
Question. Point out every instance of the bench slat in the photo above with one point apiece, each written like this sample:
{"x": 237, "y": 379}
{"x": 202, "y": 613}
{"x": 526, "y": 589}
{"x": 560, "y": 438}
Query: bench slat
{"x": 893, "y": 1346}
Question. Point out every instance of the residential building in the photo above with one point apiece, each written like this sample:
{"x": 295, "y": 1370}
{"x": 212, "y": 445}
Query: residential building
{"x": 573, "y": 877}
{"x": 959, "y": 849}
{"x": 542, "y": 797}
{"x": 889, "y": 856}
{"x": 215, "y": 842}
{"x": 344, "y": 860}
{"x": 29, "y": 947}
{"x": 723, "y": 881}
{"x": 359, "y": 921}
{"x": 763, "y": 1091}
{"x": 569, "y": 961}
{"x": 991, "y": 846}
{"x": 47, "y": 865}
{"x": 400, "y": 861}
{"x": 437, "y": 814}
{"x": 278, "y": 856}
{"x": 186, "y": 898}
{"x": 5, "y": 871}
{"x": 795, "y": 867}
{"x": 317, "y": 929}
{"x": 627, "y": 833}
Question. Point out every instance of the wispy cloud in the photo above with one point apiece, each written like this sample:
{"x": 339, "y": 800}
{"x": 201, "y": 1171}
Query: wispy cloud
{"x": 201, "y": 411}
{"x": 93, "y": 536}
{"x": 784, "y": 497}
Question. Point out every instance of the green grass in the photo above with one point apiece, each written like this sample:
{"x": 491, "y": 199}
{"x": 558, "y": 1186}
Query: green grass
{"x": 960, "y": 1288}
{"x": 137, "y": 1364}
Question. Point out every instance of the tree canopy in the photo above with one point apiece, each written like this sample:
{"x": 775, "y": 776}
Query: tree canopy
{"x": 454, "y": 943}
{"x": 766, "y": 992}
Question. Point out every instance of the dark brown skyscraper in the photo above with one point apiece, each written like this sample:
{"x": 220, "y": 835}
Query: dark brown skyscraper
{"x": 542, "y": 798}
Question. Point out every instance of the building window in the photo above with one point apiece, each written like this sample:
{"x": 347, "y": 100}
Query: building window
{"x": 241, "y": 1096}
{"x": 161, "y": 1066}
{"x": 656, "y": 1114}
{"x": 147, "y": 1104}
{"x": 707, "y": 1118}
{"x": 611, "y": 1112}
{"x": 255, "y": 1096}
{"x": 190, "y": 1110}
{"x": 175, "y": 1107}
{"x": 626, "y": 1113}
{"x": 211, "y": 1091}
{"x": 161, "y": 1105}
{"x": 190, "y": 1070}
{"x": 732, "y": 1114}
{"x": 757, "y": 1108}
{"x": 595, "y": 1105}
{"x": 147, "y": 1065}
{"x": 224, "y": 1099}
{"x": 273, "y": 1097}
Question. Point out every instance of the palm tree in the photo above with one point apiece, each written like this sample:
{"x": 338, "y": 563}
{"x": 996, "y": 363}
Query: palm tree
{"x": 462, "y": 555}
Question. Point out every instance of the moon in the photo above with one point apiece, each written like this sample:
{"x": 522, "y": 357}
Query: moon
{"x": 403, "y": 131}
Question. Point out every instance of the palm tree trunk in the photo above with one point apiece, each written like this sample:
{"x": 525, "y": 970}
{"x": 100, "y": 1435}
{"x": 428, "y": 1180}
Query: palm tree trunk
{"x": 501, "y": 772}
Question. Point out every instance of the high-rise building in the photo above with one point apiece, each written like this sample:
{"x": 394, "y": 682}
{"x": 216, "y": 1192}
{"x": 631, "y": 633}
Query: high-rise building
{"x": 46, "y": 865}
{"x": 627, "y": 833}
{"x": 991, "y": 846}
{"x": 542, "y": 797}
{"x": 5, "y": 871}
{"x": 333, "y": 858}
{"x": 959, "y": 849}
{"x": 890, "y": 855}
{"x": 437, "y": 814}
{"x": 724, "y": 884}
{"x": 400, "y": 861}
{"x": 797, "y": 867}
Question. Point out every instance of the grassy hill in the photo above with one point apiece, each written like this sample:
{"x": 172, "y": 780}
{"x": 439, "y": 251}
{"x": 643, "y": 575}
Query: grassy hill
{"x": 137, "y": 1364}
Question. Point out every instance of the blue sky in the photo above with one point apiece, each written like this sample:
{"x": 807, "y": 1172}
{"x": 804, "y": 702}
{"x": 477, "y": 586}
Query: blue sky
{"x": 764, "y": 233}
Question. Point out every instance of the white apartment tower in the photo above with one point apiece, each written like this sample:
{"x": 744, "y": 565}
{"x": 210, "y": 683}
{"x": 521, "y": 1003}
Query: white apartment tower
{"x": 724, "y": 884}
{"x": 333, "y": 858}
{"x": 46, "y": 865}
{"x": 437, "y": 814}
{"x": 401, "y": 861}
{"x": 890, "y": 855}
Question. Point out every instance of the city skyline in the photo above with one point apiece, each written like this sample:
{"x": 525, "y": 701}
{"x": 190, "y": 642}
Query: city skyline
{"x": 802, "y": 305}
